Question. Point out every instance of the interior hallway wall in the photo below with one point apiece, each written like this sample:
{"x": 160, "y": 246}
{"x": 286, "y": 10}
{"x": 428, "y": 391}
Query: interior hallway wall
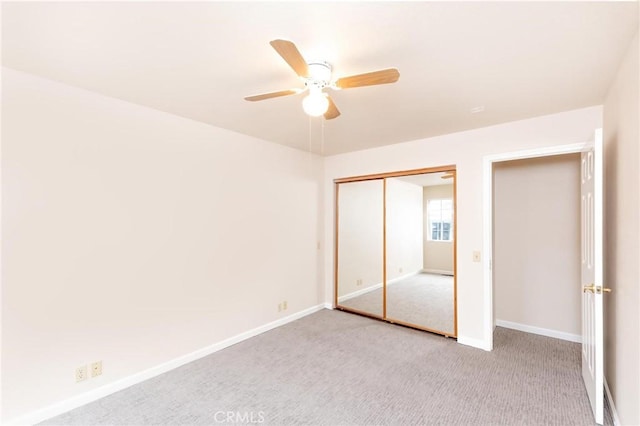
{"x": 536, "y": 260}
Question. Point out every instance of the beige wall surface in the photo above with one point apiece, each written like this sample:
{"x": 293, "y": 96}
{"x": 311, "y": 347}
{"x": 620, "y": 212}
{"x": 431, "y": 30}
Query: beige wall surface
{"x": 360, "y": 227}
{"x": 135, "y": 237}
{"x": 622, "y": 236}
{"x": 536, "y": 260}
{"x": 438, "y": 255}
{"x": 404, "y": 228}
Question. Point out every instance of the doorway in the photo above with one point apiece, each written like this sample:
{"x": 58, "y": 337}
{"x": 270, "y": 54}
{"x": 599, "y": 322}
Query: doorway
{"x": 488, "y": 222}
{"x": 536, "y": 251}
{"x": 591, "y": 259}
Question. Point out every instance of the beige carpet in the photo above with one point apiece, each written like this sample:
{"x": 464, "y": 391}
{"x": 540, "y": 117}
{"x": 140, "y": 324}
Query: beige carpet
{"x": 334, "y": 368}
{"x": 424, "y": 299}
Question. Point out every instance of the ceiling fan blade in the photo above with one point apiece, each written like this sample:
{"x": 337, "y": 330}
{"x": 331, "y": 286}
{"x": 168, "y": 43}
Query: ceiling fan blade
{"x": 389, "y": 75}
{"x": 332, "y": 111}
{"x": 264, "y": 96}
{"x": 292, "y": 56}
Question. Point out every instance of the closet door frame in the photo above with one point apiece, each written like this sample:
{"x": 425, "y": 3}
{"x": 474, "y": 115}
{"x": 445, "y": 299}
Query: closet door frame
{"x": 384, "y": 177}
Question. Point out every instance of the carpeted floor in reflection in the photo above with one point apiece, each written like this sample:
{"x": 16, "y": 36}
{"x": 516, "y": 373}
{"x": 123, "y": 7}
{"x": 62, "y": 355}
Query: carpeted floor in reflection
{"x": 424, "y": 299}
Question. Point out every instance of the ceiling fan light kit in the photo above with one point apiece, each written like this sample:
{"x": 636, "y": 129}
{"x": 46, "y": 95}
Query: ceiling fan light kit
{"x": 317, "y": 77}
{"x": 315, "y": 103}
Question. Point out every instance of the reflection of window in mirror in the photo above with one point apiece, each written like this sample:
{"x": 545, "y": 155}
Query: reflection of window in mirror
{"x": 440, "y": 217}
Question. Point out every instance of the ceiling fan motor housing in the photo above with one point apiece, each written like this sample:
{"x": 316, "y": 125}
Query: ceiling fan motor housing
{"x": 319, "y": 75}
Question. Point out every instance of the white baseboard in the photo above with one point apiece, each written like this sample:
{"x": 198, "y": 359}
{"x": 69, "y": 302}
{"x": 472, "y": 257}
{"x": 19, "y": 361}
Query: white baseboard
{"x": 375, "y": 287}
{"x": 476, "y": 343}
{"x": 403, "y": 277}
{"x": 541, "y": 331}
{"x": 612, "y": 406}
{"x": 359, "y": 292}
{"x": 328, "y": 306}
{"x": 437, "y": 271}
{"x": 95, "y": 394}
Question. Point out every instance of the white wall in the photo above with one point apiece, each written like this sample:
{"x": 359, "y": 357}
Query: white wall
{"x": 536, "y": 260}
{"x": 404, "y": 228}
{"x": 134, "y": 237}
{"x": 465, "y": 150}
{"x": 622, "y": 234}
{"x": 438, "y": 255}
{"x": 360, "y": 243}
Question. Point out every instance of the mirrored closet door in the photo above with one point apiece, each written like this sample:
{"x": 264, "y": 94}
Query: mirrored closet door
{"x": 360, "y": 246}
{"x": 409, "y": 242}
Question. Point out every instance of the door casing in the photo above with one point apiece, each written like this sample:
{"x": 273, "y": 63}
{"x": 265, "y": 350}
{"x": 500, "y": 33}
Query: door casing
{"x": 487, "y": 213}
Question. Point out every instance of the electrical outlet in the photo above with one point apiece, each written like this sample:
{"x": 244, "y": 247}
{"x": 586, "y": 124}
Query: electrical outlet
{"x": 96, "y": 369}
{"x": 359, "y": 282}
{"x": 284, "y": 305}
{"x": 81, "y": 373}
{"x": 476, "y": 256}
{"x": 400, "y": 270}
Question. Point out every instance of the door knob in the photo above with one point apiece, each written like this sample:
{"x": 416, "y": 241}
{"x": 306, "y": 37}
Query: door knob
{"x": 591, "y": 288}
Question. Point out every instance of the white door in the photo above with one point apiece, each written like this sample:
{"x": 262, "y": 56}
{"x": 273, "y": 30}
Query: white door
{"x": 592, "y": 275}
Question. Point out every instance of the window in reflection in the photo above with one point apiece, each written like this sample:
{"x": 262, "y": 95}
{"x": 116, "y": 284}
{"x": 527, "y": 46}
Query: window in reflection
{"x": 440, "y": 223}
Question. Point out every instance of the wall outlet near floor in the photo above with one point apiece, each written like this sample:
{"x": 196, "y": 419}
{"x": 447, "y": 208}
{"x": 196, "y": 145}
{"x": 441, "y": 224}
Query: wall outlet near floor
{"x": 284, "y": 305}
{"x": 96, "y": 369}
{"x": 81, "y": 373}
{"x": 476, "y": 256}
{"x": 400, "y": 270}
{"x": 359, "y": 281}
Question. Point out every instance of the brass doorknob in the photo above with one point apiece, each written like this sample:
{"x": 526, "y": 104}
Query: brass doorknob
{"x": 606, "y": 290}
{"x": 591, "y": 288}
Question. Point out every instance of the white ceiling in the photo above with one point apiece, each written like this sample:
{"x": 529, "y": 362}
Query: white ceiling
{"x": 199, "y": 59}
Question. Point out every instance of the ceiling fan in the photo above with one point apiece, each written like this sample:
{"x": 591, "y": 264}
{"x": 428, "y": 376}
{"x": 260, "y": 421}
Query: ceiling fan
{"x": 317, "y": 76}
